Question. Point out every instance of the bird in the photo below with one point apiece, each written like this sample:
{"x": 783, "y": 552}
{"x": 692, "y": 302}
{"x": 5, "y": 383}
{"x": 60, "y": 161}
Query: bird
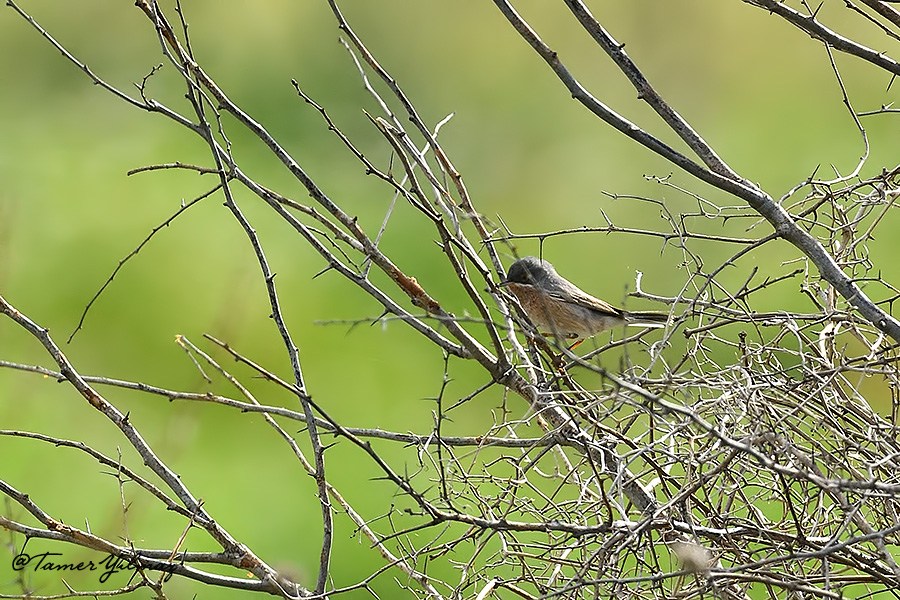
{"x": 559, "y": 308}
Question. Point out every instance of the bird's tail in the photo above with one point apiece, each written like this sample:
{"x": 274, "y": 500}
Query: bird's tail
{"x": 647, "y": 318}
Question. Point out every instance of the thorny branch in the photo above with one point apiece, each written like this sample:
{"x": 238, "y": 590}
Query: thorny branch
{"x": 676, "y": 474}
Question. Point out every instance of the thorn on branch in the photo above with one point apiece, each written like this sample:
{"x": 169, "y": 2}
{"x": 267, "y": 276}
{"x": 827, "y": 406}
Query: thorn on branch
{"x": 323, "y": 271}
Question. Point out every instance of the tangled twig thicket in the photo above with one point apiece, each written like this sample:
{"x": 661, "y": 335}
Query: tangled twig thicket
{"x": 677, "y": 475}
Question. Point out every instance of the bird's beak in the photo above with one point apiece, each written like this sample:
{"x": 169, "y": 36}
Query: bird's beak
{"x": 503, "y": 283}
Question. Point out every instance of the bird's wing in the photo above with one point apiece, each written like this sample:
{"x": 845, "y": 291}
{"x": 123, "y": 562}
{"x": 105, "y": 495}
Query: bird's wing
{"x": 582, "y": 298}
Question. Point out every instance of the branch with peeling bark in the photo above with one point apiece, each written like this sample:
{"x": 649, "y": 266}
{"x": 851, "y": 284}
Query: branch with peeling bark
{"x": 672, "y": 455}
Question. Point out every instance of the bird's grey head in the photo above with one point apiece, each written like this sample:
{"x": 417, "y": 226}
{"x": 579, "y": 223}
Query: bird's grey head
{"x": 530, "y": 270}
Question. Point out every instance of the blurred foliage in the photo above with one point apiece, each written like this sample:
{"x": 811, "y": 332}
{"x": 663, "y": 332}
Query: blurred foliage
{"x": 763, "y": 94}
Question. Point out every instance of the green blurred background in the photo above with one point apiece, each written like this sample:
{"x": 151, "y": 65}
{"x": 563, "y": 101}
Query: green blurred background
{"x": 761, "y": 92}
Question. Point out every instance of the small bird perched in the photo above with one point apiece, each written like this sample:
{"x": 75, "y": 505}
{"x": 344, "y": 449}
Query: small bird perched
{"x": 559, "y": 308}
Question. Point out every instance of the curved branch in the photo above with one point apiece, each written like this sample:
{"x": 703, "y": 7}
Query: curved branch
{"x": 647, "y": 93}
{"x": 810, "y": 25}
